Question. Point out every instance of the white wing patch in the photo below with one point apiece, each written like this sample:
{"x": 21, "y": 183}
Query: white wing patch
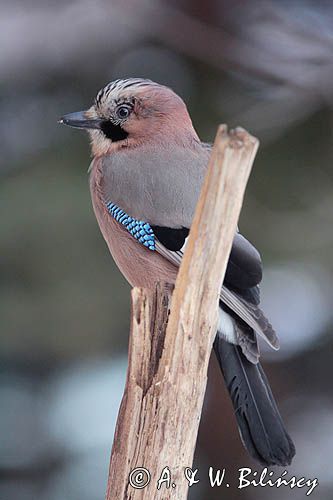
{"x": 226, "y": 327}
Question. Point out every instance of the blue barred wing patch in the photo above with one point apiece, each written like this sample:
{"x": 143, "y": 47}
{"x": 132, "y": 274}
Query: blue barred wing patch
{"x": 139, "y": 229}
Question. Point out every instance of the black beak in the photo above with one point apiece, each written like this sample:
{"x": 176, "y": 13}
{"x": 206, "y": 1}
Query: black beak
{"x": 79, "y": 120}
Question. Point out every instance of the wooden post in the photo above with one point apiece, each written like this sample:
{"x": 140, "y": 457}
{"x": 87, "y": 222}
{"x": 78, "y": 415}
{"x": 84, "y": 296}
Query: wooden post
{"x": 168, "y": 357}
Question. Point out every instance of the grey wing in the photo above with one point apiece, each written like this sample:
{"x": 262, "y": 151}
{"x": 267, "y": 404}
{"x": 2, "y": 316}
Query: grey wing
{"x": 234, "y": 297}
{"x": 252, "y": 315}
{"x": 241, "y": 288}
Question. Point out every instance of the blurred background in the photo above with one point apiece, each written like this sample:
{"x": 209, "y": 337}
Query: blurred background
{"x": 64, "y": 307}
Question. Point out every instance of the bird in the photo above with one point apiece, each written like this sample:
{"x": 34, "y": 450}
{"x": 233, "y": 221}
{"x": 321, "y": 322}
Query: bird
{"x": 145, "y": 178}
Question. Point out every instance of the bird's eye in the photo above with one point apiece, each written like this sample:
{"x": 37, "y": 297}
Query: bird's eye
{"x": 123, "y": 112}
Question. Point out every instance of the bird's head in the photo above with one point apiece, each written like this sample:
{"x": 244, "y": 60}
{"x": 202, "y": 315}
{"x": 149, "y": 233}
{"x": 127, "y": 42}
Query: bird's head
{"x": 131, "y": 112}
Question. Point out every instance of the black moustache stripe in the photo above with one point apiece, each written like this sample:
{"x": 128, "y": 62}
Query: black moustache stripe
{"x": 113, "y": 132}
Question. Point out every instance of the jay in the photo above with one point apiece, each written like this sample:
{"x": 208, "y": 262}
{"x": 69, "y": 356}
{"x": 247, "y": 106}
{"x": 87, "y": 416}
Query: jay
{"x": 145, "y": 179}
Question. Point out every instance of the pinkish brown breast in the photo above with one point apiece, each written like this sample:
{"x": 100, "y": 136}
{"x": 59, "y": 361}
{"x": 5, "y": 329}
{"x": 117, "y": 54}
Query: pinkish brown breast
{"x": 140, "y": 266}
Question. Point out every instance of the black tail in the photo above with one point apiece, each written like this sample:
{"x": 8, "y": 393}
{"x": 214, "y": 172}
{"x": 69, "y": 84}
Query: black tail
{"x": 259, "y": 421}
